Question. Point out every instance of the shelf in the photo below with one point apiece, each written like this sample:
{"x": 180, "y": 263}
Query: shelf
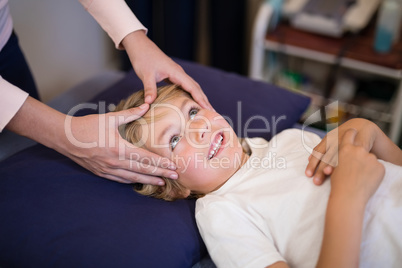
{"x": 331, "y": 59}
{"x": 353, "y": 52}
{"x": 358, "y": 54}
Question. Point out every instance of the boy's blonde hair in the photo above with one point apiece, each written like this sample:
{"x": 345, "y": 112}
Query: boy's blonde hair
{"x": 172, "y": 189}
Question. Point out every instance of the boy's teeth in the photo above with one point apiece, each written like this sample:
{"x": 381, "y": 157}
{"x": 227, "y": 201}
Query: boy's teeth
{"x": 215, "y": 147}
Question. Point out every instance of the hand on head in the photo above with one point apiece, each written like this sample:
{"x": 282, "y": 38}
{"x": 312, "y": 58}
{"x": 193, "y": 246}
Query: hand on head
{"x": 111, "y": 156}
{"x": 152, "y": 66}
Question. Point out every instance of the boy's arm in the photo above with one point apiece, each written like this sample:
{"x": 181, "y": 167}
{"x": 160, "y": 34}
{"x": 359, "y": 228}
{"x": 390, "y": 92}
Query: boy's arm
{"x": 345, "y": 209}
{"x": 342, "y": 235}
{"x": 353, "y": 182}
{"x": 369, "y": 136}
{"x": 385, "y": 149}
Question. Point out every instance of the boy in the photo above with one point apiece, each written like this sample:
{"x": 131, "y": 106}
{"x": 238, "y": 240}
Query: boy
{"x": 259, "y": 209}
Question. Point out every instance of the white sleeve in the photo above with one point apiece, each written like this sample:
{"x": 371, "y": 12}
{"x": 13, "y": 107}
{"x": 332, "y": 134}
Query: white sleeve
{"x": 232, "y": 239}
{"x": 11, "y": 100}
{"x": 115, "y": 17}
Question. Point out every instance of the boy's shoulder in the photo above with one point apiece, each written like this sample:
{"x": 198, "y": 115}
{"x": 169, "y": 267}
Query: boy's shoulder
{"x": 208, "y": 201}
{"x": 296, "y": 132}
{"x": 287, "y": 138}
{"x": 285, "y": 134}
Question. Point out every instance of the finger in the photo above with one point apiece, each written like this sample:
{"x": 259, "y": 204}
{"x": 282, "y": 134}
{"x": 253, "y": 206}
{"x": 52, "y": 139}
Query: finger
{"x": 132, "y": 166}
{"x": 328, "y": 170}
{"x": 123, "y": 176}
{"x": 146, "y": 157}
{"x": 129, "y": 115}
{"x": 349, "y": 137}
{"x": 114, "y": 178}
{"x": 198, "y": 95}
{"x": 312, "y": 165}
{"x": 315, "y": 158}
{"x": 150, "y": 91}
{"x": 152, "y": 170}
{"x": 202, "y": 100}
{"x": 318, "y": 152}
{"x": 319, "y": 175}
{"x": 192, "y": 87}
{"x": 331, "y": 156}
{"x": 364, "y": 139}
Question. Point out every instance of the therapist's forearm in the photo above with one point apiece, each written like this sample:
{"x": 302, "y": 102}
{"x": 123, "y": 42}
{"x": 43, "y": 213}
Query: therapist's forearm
{"x": 40, "y": 123}
{"x": 137, "y": 41}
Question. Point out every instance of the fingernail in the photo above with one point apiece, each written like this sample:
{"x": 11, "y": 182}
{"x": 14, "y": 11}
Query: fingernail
{"x": 143, "y": 106}
{"x": 172, "y": 167}
{"x": 161, "y": 183}
{"x": 148, "y": 98}
{"x": 308, "y": 173}
{"x": 317, "y": 180}
{"x": 173, "y": 176}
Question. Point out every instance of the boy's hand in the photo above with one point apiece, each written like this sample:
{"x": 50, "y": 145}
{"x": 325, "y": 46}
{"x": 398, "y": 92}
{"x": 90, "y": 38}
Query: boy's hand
{"x": 358, "y": 174}
{"x": 325, "y": 155}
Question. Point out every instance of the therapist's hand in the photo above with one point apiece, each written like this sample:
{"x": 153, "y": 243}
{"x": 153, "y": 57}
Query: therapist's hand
{"x": 108, "y": 155}
{"x": 93, "y": 141}
{"x": 152, "y": 66}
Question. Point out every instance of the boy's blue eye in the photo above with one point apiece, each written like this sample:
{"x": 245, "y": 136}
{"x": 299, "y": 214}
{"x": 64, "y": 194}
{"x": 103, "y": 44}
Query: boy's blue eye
{"x": 193, "y": 112}
{"x": 174, "y": 141}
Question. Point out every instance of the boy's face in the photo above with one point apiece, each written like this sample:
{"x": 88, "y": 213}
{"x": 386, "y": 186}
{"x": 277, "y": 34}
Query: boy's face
{"x": 201, "y": 143}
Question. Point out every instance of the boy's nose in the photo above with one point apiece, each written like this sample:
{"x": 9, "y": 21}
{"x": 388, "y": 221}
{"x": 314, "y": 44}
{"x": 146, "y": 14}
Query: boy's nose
{"x": 198, "y": 131}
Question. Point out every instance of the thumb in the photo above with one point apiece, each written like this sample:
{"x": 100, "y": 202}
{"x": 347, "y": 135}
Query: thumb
{"x": 129, "y": 115}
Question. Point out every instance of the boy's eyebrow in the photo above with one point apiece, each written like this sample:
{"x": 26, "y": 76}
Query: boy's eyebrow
{"x": 163, "y": 133}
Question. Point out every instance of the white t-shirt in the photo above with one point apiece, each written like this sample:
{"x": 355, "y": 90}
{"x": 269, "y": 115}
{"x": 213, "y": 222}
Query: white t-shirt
{"x": 270, "y": 211}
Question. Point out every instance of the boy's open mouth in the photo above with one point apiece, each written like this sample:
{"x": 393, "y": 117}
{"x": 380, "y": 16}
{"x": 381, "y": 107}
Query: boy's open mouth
{"x": 215, "y": 145}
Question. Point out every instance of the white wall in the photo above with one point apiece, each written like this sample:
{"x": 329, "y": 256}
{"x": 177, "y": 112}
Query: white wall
{"x": 62, "y": 43}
